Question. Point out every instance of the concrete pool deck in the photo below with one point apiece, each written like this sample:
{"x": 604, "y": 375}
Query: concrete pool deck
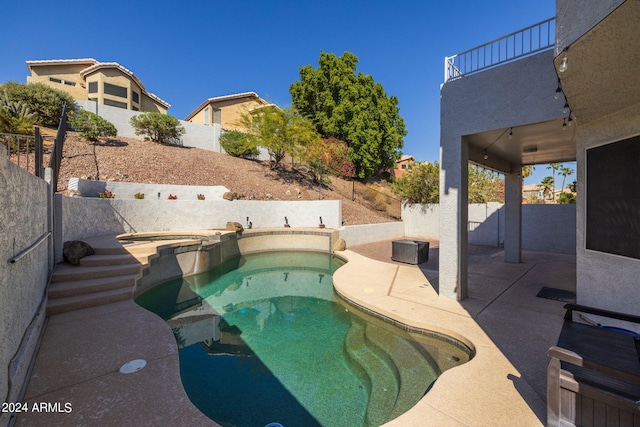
{"x": 503, "y": 385}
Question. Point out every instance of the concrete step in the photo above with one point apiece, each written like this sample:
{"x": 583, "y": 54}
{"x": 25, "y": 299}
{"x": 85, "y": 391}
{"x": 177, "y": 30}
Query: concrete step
{"x": 88, "y": 286}
{"x": 110, "y": 260}
{"x": 69, "y": 273}
{"x": 77, "y": 302}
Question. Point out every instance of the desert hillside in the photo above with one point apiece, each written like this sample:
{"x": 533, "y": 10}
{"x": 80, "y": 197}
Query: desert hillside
{"x": 136, "y": 160}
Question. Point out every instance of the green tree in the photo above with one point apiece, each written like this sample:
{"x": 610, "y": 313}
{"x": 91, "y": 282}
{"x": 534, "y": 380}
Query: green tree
{"x": 91, "y": 126}
{"x": 239, "y": 144}
{"x": 280, "y": 131}
{"x": 353, "y": 108}
{"x": 565, "y": 172}
{"x": 527, "y": 170}
{"x": 43, "y": 101}
{"x": 484, "y": 186}
{"x": 547, "y": 186}
{"x": 554, "y": 168}
{"x": 420, "y": 184}
{"x": 567, "y": 198}
{"x": 158, "y": 127}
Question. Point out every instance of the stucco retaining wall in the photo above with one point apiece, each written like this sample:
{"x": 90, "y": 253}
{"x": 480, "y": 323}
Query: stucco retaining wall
{"x": 547, "y": 228}
{"x": 23, "y": 220}
{"x": 127, "y": 190}
{"x": 86, "y": 217}
{"x": 367, "y": 233}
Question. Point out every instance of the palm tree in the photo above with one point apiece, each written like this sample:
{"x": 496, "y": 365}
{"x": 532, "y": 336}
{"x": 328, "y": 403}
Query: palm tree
{"x": 547, "y": 186}
{"x": 564, "y": 171}
{"x": 527, "y": 170}
{"x": 554, "y": 167}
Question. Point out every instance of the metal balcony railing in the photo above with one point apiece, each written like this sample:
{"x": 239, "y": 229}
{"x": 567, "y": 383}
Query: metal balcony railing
{"x": 530, "y": 40}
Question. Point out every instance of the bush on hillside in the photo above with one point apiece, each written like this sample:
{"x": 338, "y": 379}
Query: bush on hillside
{"x": 91, "y": 126}
{"x": 43, "y": 101}
{"x": 158, "y": 127}
{"x": 239, "y": 144}
{"x": 15, "y": 116}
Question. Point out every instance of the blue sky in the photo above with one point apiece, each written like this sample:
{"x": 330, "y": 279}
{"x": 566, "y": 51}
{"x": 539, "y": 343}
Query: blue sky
{"x": 188, "y": 51}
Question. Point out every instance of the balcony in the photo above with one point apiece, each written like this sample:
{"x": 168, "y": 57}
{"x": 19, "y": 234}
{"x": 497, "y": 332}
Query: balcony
{"x": 520, "y": 44}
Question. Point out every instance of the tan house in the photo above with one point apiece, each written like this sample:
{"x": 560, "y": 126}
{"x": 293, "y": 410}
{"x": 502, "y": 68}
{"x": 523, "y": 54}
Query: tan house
{"x": 225, "y": 110}
{"x": 402, "y": 166}
{"x": 107, "y": 83}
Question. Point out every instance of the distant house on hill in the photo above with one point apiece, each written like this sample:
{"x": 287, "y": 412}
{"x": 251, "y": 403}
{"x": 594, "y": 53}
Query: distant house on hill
{"x": 532, "y": 193}
{"x": 402, "y": 165}
{"x": 225, "y": 110}
{"x": 107, "y": 83}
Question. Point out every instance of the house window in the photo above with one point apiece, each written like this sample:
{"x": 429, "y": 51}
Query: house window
{"x": 115, "y": 103}
{"x": 206, "y": 115}
{"x": 53, "y": 79}
{"x": 93, "y": 87}
{"x": 68, "y": 83}
{"x": 115, "y": 90}
{"x": 135, "y": 97}
{"x": 403, "y": 166}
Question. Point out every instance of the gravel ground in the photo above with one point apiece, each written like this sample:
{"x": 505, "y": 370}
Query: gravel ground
{"x": 136, "y": 160}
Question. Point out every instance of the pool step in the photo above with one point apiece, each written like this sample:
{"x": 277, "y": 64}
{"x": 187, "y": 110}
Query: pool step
{"x": 106, "y": 277}
{"x": 382, "y": 375}
{"x": 416, "y": 372}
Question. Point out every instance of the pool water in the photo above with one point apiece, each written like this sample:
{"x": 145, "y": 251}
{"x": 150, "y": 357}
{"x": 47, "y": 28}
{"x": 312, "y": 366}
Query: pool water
{"x": 262, "y": 339}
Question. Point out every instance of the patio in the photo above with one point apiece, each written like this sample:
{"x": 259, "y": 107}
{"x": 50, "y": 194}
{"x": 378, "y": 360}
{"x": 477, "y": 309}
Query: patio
{"x": 505, "y": 384}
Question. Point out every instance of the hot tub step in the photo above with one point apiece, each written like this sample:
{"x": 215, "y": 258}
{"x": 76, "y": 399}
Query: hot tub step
{"x": 88, "y": 286}
{"x": 68, "y": 273}
{"x": 97, "y": 260}
{"x": 77, "y": 302}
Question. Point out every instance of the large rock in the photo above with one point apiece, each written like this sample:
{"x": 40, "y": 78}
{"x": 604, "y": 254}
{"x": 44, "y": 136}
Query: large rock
{"x": 230, "y": 195}
{"x": 339, "y": 245}
{"x": 234, "y": 226}
{"x": 74, "y": 250}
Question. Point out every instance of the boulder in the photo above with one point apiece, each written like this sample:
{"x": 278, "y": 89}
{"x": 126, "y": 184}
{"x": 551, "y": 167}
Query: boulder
{"x": 74, "y": 250}
{"x": 234, "y": 226}
{"x": 230, "y": 195}
{"x": 339, "y": 245}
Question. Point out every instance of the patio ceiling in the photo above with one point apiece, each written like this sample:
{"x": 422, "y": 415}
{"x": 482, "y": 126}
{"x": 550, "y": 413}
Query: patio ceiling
{"x": 602, "y": 75}
{"x": 532, "y": 144}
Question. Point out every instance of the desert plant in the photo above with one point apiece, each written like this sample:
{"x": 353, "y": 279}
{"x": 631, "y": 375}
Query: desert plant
{"x": 200, "y": 196}
{"x": 139, "y": 196}
{"x": 106, "y": 195}
{"x": 91, "y": 126}
{"x": 172, "y": 197}
{"x": 43, "y": 101}
{"x": 239, "y": 144}
{"x": 15, "y": 116}
{"x": 158, "y": 127}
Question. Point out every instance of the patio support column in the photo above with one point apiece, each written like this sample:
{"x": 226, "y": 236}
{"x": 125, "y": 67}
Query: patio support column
{"x": 454, "y": 213}
{"x": 513, "y": 217}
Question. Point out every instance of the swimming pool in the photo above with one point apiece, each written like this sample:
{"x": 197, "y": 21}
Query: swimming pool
{"x": 263, "y": 339}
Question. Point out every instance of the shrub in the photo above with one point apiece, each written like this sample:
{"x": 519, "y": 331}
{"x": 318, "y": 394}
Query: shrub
{"x": 172, "y": 197}
{"x": 139, "y": 196}
{"x": 420, "y": 184}
{"x": 239, "y": 144}
{"x": 200, "y": 196}
{"x": 158, "y": 127}
{"x": 91, "y": 126}
{"x": 44, "y": 101}
{"x": 567, "y": 199}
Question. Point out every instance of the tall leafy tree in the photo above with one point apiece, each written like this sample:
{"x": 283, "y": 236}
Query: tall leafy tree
{"x": 280, "y": 131}
{"x": 353, "y": 108}
{"x": 554, "y": 167}
{"x": 547, "y": 186}
{"x": 565, "y": 172}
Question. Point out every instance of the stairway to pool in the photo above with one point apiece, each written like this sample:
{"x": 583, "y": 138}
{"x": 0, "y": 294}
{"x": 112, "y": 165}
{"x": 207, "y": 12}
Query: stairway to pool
{"x": 398, "y": 371}
{"x": 103, "y": 278}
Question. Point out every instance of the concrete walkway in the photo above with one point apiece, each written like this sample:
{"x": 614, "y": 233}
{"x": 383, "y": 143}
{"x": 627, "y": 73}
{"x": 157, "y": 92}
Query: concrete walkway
{"x": 504, "y": 385}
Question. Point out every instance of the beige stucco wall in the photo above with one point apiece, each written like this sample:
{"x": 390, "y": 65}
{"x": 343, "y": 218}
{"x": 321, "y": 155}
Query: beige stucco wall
{"x": 68, "y": 73}
{"x": 23, "y": 220}
{"x": 230, "y": 112}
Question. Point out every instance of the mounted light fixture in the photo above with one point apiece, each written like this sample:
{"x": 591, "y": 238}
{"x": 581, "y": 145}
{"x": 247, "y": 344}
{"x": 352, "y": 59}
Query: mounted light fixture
{"x": 566, "y": 108}
{"x": 563, "y": 64}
